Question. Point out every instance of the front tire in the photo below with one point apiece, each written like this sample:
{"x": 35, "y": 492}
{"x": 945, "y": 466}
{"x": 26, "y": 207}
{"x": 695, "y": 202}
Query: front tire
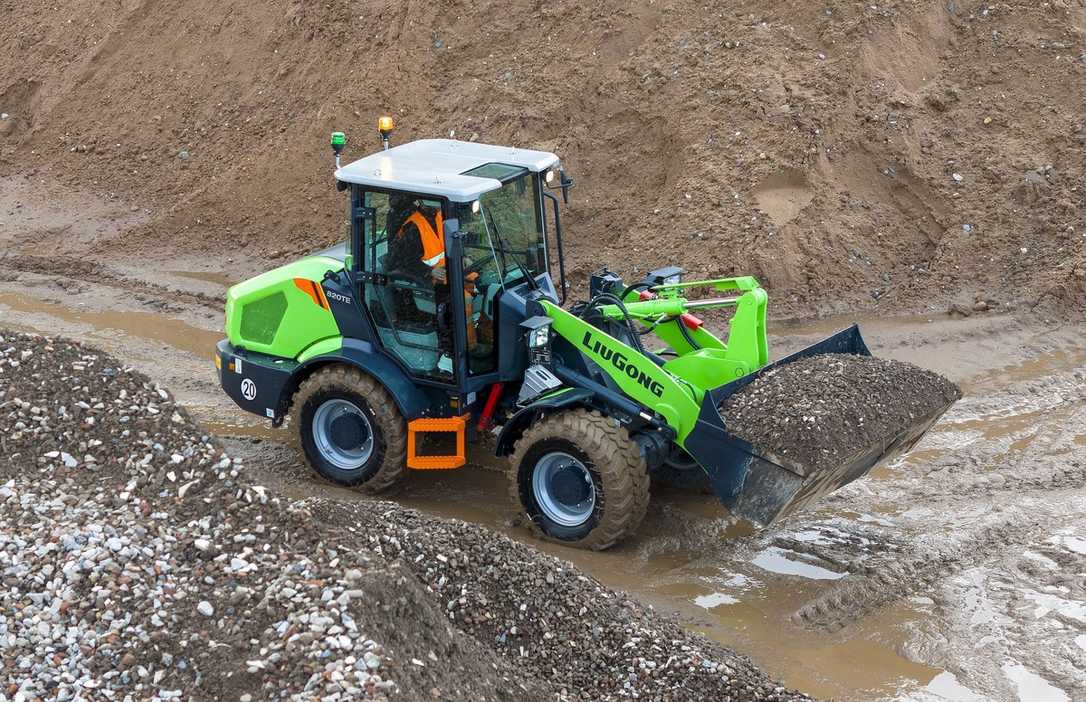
{"x": 581, "y": 480}
{"x": 349, "y": 429}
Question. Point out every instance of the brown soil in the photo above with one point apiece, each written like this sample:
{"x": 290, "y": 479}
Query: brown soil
{"x": 890, "y": 155}
{"x": 819, "y": 411}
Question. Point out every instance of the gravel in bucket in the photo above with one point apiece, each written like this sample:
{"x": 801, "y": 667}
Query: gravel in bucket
{"x": 820, "y": 410}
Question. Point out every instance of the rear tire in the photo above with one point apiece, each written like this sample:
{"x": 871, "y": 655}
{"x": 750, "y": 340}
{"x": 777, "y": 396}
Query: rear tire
{"x": 349, "y": 429}
{"x": 581, "y": 480}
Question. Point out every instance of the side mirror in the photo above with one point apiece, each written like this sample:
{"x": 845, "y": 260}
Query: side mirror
{"x": 565, "y": 182}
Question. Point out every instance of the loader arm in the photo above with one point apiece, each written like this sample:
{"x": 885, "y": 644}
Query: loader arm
{"x": 702, "y": 358}
{"x": 676, "y": 389}
{"x": 639, "y": 378}
{"x": 747, "y": 329}
{"x": 686, "y": 390}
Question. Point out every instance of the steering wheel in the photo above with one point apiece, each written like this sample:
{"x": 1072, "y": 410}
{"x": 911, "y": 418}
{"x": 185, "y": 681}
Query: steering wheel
{"x": 409, "y": 281}
{"x": 475, "y": 267}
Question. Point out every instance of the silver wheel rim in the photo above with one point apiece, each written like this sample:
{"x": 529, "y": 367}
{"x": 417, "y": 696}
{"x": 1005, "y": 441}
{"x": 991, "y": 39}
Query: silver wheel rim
{"x": 557, "y": 511}
{"x": 344, "y": 459}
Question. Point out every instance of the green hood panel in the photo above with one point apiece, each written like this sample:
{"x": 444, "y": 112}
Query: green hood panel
{"x": 273, "y": 314}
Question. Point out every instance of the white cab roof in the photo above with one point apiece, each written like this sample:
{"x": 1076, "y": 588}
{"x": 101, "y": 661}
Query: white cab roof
{"x": 435, "y": 167}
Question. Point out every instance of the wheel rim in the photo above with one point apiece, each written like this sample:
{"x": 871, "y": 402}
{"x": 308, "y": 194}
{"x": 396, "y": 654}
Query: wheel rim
{"x": 563, "y": 489}
{"x": 343, "y": 434}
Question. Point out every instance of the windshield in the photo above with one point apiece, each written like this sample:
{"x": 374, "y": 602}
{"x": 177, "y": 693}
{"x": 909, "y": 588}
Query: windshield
{"x": 504, "y": 239}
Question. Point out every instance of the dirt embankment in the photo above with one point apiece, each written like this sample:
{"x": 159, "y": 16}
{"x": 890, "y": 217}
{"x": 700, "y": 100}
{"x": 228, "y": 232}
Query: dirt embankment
{"x": 137, "y": 557}
{"x": 890, "y": 155}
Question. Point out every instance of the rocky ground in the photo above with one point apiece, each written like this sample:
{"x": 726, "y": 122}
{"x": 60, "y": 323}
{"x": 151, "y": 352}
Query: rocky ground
{"x": 868, "y": 158}
{"x": 139, "y": 560}
{"x": 823, "y": 409}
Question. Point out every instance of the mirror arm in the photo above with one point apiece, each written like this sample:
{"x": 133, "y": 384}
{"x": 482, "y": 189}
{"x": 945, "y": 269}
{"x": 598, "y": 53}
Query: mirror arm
{"x": 561, "y": 254}
{"x": 565, "y": 182}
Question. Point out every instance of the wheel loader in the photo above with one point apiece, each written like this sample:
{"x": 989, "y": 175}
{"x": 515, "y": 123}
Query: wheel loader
{"x": 385, "y": 367}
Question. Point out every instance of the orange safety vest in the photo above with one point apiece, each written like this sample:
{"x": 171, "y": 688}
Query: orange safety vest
{"x": 433, "y": 255}
{"x": 433, "y": 242}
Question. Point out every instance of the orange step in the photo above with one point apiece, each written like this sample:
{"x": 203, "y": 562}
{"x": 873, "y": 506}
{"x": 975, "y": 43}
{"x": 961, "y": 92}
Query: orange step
{"x": 455, "y": 425}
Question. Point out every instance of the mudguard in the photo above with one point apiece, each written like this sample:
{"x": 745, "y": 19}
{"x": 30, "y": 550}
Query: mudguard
{"x": 410, "y": 399}
{"x": 512, "y": 429}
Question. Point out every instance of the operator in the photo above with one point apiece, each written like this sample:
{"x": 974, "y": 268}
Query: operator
{"x": 418, "y": 246}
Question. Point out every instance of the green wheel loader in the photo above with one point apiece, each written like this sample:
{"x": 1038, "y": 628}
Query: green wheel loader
{"x": 389, "y": 355}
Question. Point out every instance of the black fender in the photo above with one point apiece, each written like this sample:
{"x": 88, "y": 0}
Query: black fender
{"x": 409, "y": 398}
{"x": 514, "y": 428}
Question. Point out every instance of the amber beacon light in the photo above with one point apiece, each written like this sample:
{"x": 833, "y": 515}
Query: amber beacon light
{"x": 385, "y": 125}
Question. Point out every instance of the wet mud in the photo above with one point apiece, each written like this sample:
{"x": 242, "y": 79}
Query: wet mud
{"x": 954, "y": 573}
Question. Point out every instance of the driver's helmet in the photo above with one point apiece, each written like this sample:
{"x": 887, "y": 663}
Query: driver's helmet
{"x": 399, "y": 202}
{"x": 400, "y": 207}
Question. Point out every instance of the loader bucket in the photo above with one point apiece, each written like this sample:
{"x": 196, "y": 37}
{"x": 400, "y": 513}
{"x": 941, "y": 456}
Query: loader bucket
{"x": 762, "y": 487}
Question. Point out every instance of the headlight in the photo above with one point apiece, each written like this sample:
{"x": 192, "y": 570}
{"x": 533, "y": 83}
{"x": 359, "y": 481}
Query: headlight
{"x": 539, "y": 337}
{"x": 550, "y": 176}
{"x": 671, "y": 275}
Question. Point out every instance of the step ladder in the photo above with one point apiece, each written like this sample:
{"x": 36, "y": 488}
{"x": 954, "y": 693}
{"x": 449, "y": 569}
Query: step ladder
{"x": 449, "y": 425}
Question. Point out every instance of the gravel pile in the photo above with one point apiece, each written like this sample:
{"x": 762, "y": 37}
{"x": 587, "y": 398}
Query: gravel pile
{"x": 585, "y": 640}
{"x": 820, "y": 410}
{"x": 137, "y": 561}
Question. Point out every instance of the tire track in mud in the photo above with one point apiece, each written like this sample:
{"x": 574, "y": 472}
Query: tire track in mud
{"x": 916, "y": 567}
{"x": 1021, "y": 486}
{"x": 1003, "y": 464}
{"x": 87, "y": 270}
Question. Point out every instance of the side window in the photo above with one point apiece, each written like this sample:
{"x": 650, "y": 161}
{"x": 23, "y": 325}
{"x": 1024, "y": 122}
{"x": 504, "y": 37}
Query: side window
{"x": 376, "y": 241}
{"x": 410, "y": 306}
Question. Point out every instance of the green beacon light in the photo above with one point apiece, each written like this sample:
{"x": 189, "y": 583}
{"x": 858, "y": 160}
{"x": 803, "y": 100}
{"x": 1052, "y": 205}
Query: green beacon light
{"x": 339, "y": 140}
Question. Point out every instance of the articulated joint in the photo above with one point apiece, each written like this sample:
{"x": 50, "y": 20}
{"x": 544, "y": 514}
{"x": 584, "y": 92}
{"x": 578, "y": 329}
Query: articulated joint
{"x": 654, "y": 446}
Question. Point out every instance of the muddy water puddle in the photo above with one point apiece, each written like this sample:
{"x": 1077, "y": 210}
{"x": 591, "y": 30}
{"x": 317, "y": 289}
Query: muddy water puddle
{"x": 742, "y": 597}
{"x": 216, "y": 277}
{"x": 1025, "y": 371}
{"x": 1010, "y": 432}
{"x": 115, "y": 325}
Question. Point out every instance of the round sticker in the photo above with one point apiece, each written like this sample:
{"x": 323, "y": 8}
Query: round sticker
{"x": 248, "y": 389}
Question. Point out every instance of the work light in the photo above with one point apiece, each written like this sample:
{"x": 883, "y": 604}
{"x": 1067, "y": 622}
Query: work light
{"x": 539, "y": 337}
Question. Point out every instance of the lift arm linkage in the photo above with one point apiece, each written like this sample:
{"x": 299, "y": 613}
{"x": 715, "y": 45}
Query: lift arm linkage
{"x": 664, "y": 312}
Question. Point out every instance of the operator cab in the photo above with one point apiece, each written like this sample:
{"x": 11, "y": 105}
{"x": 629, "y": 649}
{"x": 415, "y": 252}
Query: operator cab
{"x": 440, "y": 231}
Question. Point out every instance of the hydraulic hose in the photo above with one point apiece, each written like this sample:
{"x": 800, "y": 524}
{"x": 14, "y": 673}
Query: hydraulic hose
{"x": 634, "y": 286}
{"x": 686, "y": 334}
{"x": 611, "y": 299}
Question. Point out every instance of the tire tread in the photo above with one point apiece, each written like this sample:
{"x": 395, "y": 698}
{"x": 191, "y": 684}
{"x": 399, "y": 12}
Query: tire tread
{"x": 614, "y": 455}
{"x": 394, "y": 463}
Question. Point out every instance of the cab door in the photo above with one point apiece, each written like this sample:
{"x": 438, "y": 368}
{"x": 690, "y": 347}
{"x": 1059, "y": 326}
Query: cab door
{"x": 409, "y": 308}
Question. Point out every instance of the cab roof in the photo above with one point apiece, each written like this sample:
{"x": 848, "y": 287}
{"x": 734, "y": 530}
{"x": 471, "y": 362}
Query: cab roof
{"x": 437, "y": 166}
